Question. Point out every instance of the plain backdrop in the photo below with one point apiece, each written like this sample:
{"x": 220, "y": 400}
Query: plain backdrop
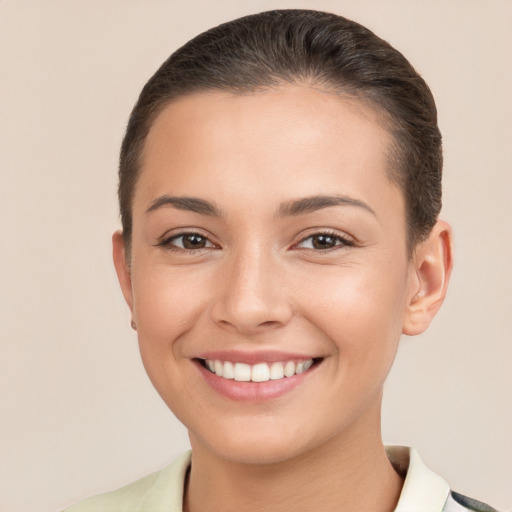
{"x": 77, "y": 412}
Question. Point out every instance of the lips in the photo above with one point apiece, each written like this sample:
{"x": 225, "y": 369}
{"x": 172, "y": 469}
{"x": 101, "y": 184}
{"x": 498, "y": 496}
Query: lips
{"x": 255, "y": 377}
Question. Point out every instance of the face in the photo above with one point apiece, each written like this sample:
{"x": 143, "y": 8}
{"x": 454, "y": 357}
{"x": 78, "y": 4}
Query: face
{"x": 269, "y": 246}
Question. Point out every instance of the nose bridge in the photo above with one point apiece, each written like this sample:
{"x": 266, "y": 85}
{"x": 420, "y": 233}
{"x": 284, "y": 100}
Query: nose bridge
{"x": 251, "y": 295}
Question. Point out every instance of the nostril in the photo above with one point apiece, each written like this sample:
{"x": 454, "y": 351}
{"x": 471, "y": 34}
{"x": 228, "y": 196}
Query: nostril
{"x": 269, "y": 323}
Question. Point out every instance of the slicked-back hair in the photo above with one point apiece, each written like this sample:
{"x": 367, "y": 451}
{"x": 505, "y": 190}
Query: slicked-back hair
{"x": 327, "y": 51}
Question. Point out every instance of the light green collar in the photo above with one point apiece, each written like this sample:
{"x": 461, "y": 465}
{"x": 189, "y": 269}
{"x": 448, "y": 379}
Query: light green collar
{"x": 423, "y": 490}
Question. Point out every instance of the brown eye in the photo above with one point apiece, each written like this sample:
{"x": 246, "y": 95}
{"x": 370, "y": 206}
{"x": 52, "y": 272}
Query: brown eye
{"x": 194, "y": 241}
{"x": 188, "y": 242}
{"x": 324, "y": 241}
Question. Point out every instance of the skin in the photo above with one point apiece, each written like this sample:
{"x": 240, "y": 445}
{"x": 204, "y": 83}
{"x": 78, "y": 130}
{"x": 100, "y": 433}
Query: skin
{"x": 259, "y": 283}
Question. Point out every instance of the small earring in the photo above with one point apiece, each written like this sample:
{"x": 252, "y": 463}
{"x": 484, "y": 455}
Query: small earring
{"x": 134, "y": 325}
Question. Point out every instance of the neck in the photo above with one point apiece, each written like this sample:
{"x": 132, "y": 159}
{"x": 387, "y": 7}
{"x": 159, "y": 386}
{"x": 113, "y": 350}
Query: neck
{"x": 347, "y": 473}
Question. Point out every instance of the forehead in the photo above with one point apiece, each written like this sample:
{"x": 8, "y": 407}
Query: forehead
{"x": 291, "y": 140}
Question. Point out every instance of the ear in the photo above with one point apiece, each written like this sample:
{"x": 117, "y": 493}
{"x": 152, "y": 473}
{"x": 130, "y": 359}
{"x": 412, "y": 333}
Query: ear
{"x": 122, "y": 267}
{"x": 432, "y": 261}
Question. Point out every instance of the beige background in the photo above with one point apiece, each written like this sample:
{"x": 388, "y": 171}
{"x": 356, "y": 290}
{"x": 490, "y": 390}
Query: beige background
{"x": 77, "y": 413}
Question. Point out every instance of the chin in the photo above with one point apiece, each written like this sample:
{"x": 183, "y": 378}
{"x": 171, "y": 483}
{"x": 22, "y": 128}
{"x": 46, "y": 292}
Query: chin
{"x": 256, "y": 448}
{"x": 257, "y": 455}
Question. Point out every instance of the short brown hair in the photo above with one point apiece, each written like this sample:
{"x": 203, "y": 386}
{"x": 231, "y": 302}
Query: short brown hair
{"x": 287, "y": 46}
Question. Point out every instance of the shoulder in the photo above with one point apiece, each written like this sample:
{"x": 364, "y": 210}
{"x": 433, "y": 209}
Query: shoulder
{"x": 459, "y": 503}
{"x": 162, "y": 490}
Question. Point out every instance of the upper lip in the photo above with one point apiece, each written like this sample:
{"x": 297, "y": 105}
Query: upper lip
{"x": 262, "y": 356}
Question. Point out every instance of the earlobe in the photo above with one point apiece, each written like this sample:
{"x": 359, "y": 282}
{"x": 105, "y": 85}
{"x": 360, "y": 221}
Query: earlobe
{"x": 122, "y": 267}
{"x": 433, "y": 262}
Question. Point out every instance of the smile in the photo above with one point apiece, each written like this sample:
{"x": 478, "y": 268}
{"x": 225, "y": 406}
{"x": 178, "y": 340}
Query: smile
{"x": 261, "y": 372}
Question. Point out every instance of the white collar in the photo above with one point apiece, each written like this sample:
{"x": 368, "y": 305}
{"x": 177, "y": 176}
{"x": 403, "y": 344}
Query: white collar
{"x": 423, "y": 490}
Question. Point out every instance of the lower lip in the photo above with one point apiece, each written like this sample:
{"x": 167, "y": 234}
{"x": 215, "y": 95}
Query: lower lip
{"x": 253, "y": 391}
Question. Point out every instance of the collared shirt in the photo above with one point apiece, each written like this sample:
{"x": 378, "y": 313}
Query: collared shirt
{"x": 423, "y": 490}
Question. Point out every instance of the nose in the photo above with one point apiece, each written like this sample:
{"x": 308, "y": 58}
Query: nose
{"x": 251, "y": 296}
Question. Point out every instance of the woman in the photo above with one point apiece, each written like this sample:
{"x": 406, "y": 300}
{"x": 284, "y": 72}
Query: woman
{"x": 280, "y": 186}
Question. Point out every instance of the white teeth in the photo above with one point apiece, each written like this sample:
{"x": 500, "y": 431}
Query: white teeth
{"x": 308, "y": 364}
{"x": 261, "y": 372}
{"x": 218, "y": 368}
{"x": 289, "y": 369}
{"x": 242, "y": 372}
{"x": 228, "y": 372}
{"x": 276, "y": 371}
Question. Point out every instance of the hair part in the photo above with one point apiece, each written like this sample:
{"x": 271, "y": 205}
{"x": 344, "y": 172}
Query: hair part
{"x": 325, "y": 50}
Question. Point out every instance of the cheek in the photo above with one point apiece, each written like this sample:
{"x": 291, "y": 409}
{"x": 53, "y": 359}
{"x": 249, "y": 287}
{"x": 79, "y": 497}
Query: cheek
{"x": 166, "y": 305}
{"x": 363, "y": 324}
{"x": 166, "y": 308}
{"x": 361, "y": 312}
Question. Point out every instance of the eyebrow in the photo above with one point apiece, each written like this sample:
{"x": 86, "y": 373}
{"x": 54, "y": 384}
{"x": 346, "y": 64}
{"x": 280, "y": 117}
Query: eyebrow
{"x": 191, "y": 204}
{"x": 289, "y": 208}
{"x": 314, "y": 203}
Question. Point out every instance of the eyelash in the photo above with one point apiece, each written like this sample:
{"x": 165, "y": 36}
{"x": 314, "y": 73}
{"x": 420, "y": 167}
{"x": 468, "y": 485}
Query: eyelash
{"x": 340, "y": 241}
{"x": 168, "y": 244}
